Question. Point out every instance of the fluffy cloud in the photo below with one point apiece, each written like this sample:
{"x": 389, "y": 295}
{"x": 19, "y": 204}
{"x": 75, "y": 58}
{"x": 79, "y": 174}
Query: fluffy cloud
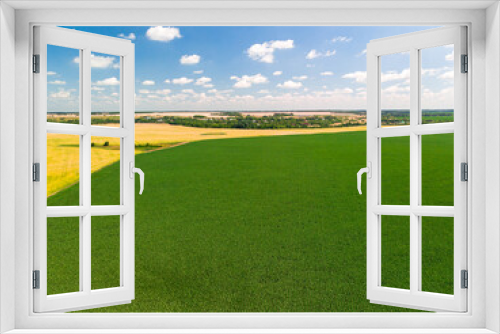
{"x": 450, "y": 56}
{"x": 448, "y": 75}
{"x": 130, "y": 36}
{"x": 190, "y": 59}
{"x": 300, "y": 78}
{"x": 277, "y": 73}
{"x": 247, "y": 81}
{"x": 148, "y": 83}
{"x": 326, "y": 73}
{"x": 290, "y": 84}
{"x": 163, "y": 34}
{"x": 358, "y": 76}
{"x": 341, "y": 39}
{"x": 198, "y": 72}
{"x": 57, "y": 82}
{"x": 265, "y": 52}
{"x": 182, "y": 81}
{"x": 315, "y": 54}
{"x": 362, "y": 53}
{"x": 108, "y": 82}
{"x": 100, "y": 61}
{"x": 51, "y": 73}
{"x": 62, "y": 94}
{"x": 167, "y": 81}
{"x": 202, "y": 81}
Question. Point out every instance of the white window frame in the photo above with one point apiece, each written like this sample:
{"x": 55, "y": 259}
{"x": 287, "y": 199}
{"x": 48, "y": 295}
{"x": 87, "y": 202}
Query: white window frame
{"x": 85, "y": 44}
{"x": 414, "y": 297}
{"x": 484, "y": 46}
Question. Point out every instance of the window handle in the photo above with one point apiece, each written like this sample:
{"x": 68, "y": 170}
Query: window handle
{"x": 141, "y": 176}
{"x": 368, "y": 171}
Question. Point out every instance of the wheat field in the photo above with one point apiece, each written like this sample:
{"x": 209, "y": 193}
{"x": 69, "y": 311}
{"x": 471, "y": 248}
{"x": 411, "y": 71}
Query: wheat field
{"x": 63, "y": 163}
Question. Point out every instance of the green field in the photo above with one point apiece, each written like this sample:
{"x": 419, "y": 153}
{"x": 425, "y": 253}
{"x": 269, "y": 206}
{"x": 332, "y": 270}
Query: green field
{"x": 265, "y": 224}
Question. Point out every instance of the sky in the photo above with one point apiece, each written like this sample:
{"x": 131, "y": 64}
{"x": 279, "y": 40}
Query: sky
{"x": 249, "y": 68}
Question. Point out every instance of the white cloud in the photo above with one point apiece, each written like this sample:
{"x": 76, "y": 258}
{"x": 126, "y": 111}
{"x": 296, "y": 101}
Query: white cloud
{"x": 290, "y": 84}
{"x": 57, "y": 82}
{"x": 130, "y": 36}
{"x": 208, "y": 85}
{"x": 277, "y": 72}
{"x": 341, "y": 39}
{"x": 265, "y": 52}
{"x": 300, "y": 78}
{"x": 263, "y": 91}
{"x": 163, "y": 91}
{"x": 163, "y": 34}
{"x": 394, "y": 75}
{"x": 97, "y": 89}
{"x": 167, "y": 81}
{"x": 190, "y": 59}
{"x": 358, "y": 76}
{"x": 148, "y": 83}
{"x": 362, "y": 53}
{"x": 100, "y": 61}
{"x": 312, "y": 54}
{"x": 144, "y": 91}
{"x": 247, "y": 81}
{"x": 202, "y": 81}
{"x": 450, "y": 56}
{"x": 188, "y": 91}
{"x": 326, "y": 73}
{"x": 108, "y": 82}
{"x": 51, "y": 73}
{"x": 310, "y": 65}
{"x": 182, "y": 81}
{"x": 212, "y": 91}
{"x": 198, "y": 72}
{"x": 448, "y": 75}
{"x": 315, "y": 54}
{"x": 61, "y": 94}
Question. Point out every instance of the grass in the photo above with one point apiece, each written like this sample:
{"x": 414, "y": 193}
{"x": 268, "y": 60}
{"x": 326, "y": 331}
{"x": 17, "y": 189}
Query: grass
{"x": 266, "y": 224}
{"x": 63, "y": 150}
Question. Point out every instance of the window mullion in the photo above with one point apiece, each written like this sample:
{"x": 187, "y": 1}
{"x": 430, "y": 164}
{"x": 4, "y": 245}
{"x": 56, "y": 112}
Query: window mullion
{"x": 415, "y": 238}
{"x": 86, "y": 168}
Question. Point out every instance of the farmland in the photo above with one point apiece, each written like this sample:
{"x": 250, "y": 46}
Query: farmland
{"x": 263, "y": 224}
{"x": 63, "y": 150}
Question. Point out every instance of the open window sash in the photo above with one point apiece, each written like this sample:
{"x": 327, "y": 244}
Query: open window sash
{"x": 85, "y": 44}
{"x": 415, "y": 297}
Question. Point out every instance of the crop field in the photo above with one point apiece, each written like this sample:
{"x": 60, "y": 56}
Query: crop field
{"x": 263, "y": 224}
{"x": 63, "y": 150}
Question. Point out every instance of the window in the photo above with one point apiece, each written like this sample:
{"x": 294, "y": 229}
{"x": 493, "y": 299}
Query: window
{"x": 99, "y": 264}
{"x": 403, "y": 203}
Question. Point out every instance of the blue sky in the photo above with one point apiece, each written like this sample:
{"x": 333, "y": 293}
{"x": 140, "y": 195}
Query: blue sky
{"x": 248, "y": 68}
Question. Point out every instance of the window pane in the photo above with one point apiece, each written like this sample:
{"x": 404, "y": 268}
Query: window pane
{"x": 395, "y": 171}
{"x": 395, "y": 89}
{"x": 105, "y": 155}
{"x": 437, "y": 91}
{"x": 63, "y": 169}
{"x": 63, "y": 85}
{"x": 437, "y": 169}
{"x": 395, "y": 251}
{"x": 437, "y": 254}
{"x": 63, "y": 255}
{"x": 105, "y": 89}
{"x": 105, "y": 252}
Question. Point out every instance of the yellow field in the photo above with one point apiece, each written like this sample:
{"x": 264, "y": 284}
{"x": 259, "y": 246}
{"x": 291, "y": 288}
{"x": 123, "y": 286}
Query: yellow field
{"x": 63, "y": 150}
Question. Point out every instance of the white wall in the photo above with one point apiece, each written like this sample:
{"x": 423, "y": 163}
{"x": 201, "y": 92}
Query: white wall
{"x": 7, "y": 160}
{"x": 492, "y": 163}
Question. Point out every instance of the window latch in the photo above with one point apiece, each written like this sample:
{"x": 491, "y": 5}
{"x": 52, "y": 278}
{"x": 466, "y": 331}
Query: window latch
{"x": 368, "y": 171}
{"x": 139, "y": 171}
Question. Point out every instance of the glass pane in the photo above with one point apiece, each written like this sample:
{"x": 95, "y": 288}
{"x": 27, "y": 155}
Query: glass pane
{"x": 105, "y": 186}
{"x": 437, "y": 84}
{"x": 63, "y": 169}
{"x": 395, "y": 251}
{"x": 105, "y": 89}
{"x": 437, "y": 169}
{"x": 105, "y": 252}
{"x": 63, "y": 85}
{"x": 395, "y": 89}
{"x": 63, "y": 255}
{"x": 395, "y": 171}
{"x": 437, "y": 254}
